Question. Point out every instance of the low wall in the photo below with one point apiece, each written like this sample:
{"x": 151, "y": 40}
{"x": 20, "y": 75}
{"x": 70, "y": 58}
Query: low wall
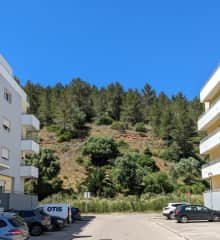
{"x": 17, "y": 201}
{"x": 212, "y": 200}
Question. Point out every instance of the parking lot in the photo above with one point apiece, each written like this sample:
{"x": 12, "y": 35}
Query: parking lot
{"x": 190, "y": 231}
{"x": 134, "y": 226}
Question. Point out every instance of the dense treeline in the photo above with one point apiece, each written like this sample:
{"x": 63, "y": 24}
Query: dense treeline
{"x": 66, "y": 109}
{"x": 69, "y": 107}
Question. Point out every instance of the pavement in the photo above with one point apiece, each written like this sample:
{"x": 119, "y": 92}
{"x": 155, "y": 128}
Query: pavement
{"x": 134, "y": 227}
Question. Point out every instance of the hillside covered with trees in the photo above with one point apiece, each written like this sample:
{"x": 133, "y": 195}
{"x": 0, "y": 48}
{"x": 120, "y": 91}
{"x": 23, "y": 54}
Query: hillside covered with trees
{"x": 121, "y": 142}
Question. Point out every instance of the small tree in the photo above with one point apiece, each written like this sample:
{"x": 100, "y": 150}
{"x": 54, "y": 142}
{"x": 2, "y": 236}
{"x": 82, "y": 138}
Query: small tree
{"x": 128, "y": 173}
{"x": 101, "y": 150}
{"x": 48, "y": 167}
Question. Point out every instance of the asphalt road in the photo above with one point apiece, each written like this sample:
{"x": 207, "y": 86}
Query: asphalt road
{"x": 114, "y": 227}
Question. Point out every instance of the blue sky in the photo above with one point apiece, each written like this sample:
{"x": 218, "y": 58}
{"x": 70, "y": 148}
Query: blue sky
{"x": 173, "y": 45}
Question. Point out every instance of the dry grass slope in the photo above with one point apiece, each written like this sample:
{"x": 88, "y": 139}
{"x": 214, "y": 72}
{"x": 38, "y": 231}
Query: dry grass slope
{"x": 73, "y": 173}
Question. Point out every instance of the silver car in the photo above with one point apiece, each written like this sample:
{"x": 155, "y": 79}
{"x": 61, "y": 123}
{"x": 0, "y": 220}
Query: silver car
{"x": 13, "y": 227}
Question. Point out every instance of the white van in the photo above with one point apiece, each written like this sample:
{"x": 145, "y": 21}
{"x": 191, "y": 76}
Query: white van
{"x": 61, "y": 210}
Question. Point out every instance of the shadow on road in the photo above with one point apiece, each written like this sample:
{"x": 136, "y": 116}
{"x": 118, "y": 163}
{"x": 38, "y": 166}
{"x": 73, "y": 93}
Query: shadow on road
{"x": 80, "y": 225}
{"x": 71, "y": 231}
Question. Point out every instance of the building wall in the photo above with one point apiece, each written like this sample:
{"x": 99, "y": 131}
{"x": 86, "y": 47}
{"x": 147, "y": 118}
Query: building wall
{"x": 11, "y": 140}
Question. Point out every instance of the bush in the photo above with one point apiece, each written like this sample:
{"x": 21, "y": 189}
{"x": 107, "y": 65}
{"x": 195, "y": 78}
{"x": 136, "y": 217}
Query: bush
{"x": 140, "y": 127}
{"x": 120, "y": 126}
{"x": 101, "y": 150}
{"x": 104, "y": 120}
{"x": 166, "y": 154}
{"x": 52, "y": 128}
{"x": 64, "y": 135}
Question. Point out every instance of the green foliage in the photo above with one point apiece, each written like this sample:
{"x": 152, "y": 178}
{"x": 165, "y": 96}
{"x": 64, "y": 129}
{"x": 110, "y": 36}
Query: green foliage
{"x": 140, "y": 127}
{"x": 99, "y": 182}
{"x": 157, "y": 183}
{"x": 120, "y": 126}
{"x": 146, "y": 203}
{"x": 101, "y": 150}
{"x": 188, "y": 169}
{"x": 64, "y": 135}
{"x": 104, "y": 120}
{"x": 48, "y": 167}
{"x": 128, "y": 173}
{"x": 148, "y": 163}
{"x": 132, "y": 107}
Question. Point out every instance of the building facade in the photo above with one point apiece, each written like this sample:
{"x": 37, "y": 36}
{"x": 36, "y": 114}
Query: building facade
{"x": 209, "y": 122}
{"x": 18, "y": 133}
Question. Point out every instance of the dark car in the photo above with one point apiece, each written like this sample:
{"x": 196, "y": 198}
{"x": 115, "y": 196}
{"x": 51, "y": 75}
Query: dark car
{"x": 36, "y": 220}
{"x": 186, "y": 213}
{"x": 76, "y": 214}
{"x": 57, "y": 223}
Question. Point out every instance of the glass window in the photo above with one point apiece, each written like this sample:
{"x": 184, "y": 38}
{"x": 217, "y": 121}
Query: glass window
{"x": 7, "y": 96}
{"x": 6, "y": 125}
{"x": 2, "y": 224}
{"x": 5, "y": 153}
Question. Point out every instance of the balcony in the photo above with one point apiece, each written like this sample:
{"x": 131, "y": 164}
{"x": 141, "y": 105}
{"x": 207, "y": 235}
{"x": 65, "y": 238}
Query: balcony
{"x": 210, "y": 117}
{"x": 211, "y": 169}
{"x": 211, "y": 88}
{"x": 28, "y": 172}
{"x": 4, "y": 164}
{"x": 30, "y": 146}
{"x": 30, "y": 121}
{"x": 210, "y": 142}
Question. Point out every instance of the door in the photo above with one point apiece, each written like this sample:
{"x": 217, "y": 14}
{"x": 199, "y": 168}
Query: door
{"x": 190, "y": 212}
{"x": 203, "y": 213}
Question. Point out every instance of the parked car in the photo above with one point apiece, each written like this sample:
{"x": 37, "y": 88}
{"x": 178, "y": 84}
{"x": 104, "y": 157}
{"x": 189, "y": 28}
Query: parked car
{"x": 13, "y": 227}
{"x": 186, "y": 213}
{"x": 76, "y": 214}
{"x": 57, "y": 223}
{"x": 36, "y": 220}
{"x": 169, "y": 210}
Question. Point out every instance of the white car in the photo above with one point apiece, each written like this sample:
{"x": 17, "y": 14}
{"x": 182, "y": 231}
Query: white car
{"x": 169, "y": 210}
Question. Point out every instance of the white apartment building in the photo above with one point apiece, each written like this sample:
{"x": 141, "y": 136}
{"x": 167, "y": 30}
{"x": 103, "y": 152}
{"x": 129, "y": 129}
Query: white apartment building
{"x": 210, "y": 145}
{"x": 18, "y": 133}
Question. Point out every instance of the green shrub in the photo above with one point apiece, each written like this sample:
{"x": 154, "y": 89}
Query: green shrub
{"x": 120, "y": 126}
{"x": 64, "y": 135}
{"x": 166, "y": 154}
{"x": 140, "y": 127}
{"x": 52, "y": 128}
{"x": 104, "y": 120}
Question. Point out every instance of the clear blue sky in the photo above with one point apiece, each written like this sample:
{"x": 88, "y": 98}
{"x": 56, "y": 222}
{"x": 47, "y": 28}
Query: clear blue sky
{"x": 174, "y": 45}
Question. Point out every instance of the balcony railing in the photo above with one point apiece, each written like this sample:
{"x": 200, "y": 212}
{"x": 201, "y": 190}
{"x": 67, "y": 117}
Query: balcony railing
{"x": 31, "y": 121}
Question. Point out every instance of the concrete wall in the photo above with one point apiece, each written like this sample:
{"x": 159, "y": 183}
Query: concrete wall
{"x": 212, "y": 200}
{"x": 17, "y": 201}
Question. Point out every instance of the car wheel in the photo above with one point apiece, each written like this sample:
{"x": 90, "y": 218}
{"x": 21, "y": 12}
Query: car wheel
{"x": 216, "y": 218}
{"x": 172, "y": 216}
{"x": 184, "y": 219}
{"x": 36, "y": 230}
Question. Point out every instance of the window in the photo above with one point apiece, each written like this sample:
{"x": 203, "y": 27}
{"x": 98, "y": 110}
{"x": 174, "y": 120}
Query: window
{"x": 26, "y": 214}
{"x": 5, "y": 153}
{"x": 7, "y": 96}
{"x": 2, "y": 224}
{"x": 6, "y": 125}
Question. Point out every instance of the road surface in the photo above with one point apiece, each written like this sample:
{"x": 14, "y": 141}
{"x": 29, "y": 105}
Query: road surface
{"x": 114, "y": 227}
